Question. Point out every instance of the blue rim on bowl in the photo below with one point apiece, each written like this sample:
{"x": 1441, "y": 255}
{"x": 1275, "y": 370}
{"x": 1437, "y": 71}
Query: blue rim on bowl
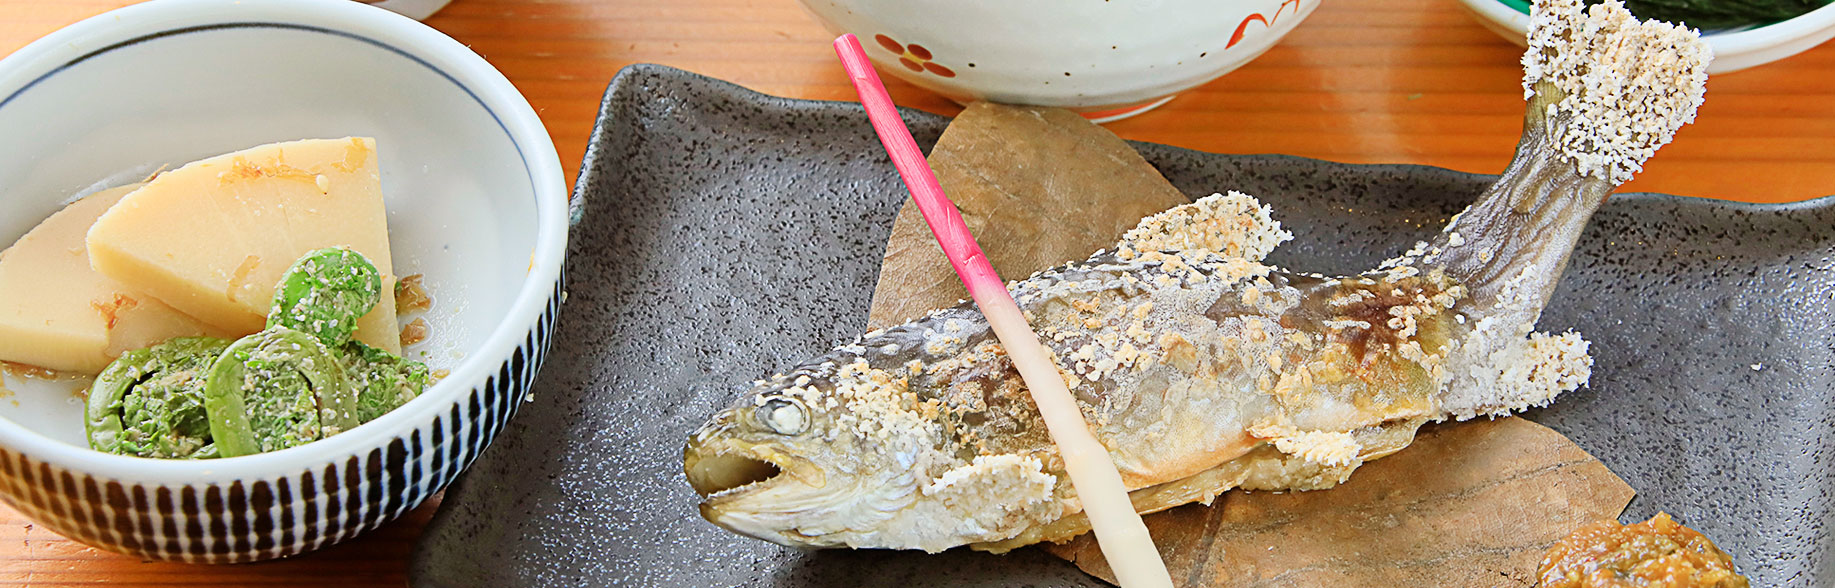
{"x": 302, "y": 498}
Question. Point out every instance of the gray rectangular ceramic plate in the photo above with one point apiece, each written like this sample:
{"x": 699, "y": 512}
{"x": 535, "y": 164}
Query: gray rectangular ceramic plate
{"x": 726, "y": 234}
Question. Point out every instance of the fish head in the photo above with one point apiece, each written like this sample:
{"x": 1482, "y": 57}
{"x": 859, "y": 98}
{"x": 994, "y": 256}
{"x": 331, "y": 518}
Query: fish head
{"x": 802, "y": 460}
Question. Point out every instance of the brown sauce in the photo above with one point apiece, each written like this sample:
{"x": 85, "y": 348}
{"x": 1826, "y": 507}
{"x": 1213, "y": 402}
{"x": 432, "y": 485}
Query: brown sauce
{"x": 1658, "y": 553}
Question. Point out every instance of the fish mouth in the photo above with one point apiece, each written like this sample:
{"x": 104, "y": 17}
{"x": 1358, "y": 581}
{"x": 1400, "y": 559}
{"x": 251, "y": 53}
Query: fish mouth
{"x": 756, "y": 490}
{"x": 723, "y": 470}
{"x": 721, "y": 473}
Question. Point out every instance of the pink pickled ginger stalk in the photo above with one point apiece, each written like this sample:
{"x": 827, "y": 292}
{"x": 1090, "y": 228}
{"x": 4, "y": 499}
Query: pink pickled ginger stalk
{"x": 1119, "y": 531}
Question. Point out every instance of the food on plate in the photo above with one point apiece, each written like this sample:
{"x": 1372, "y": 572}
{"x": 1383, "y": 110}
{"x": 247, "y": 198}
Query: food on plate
{"x": 282, "y": 248}
{"x": 1658, "y": 553}
{"x": 383, "y": 380}
{"x": 1715, "y": 14}
{"x": 319, "y": 296}
{"x": 213, "y": 237}
{"x": 1501, "y": 491}
{"x": 302, "y": 378}
{"x": 150, "y": 402}
{"x": 992, "y": 154}
{"x": 282, "y": 387}
{"x": 322, "y": 292}
{"x": 276, "y": 389}
{"x": 193, "y": 251}
{"x": 1093, "y": 476}
{"x": 59, "y": 314}
{"x": 1200, "y": 368}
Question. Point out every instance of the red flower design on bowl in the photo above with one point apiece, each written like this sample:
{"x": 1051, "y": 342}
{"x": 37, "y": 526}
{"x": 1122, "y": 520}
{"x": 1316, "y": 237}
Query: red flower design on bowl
{"x": 914, "y": 57}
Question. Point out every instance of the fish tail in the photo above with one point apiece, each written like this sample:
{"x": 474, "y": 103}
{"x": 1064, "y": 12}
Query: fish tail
{"x": 1604, "y": 92}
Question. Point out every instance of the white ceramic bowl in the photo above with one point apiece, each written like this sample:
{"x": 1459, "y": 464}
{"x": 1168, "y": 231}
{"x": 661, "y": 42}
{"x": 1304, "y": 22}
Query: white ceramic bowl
{"x": 1734, "y": 49}
{"x": 476, "y": 202}
{"x": 1107, "y": 60}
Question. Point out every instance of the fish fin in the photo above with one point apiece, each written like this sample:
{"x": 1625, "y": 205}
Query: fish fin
{"x": 1326, "y": 448}
{"x": 1230, "y": 225}
{"x": 1620, "y": 87}
{"x": 1329, "y": 448}
{"x": 1521, "y": 373}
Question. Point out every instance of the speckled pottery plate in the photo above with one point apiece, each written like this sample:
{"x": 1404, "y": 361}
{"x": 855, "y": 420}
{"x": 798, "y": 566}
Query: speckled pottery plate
{"x": 725, "y": 234}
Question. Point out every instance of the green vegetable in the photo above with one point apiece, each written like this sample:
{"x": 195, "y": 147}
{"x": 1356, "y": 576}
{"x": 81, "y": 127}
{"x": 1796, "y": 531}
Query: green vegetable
{"x": 301, "y": 379}
{"x": 276, "y": 389}
{"x": 150, "y": 402}
{"x": 383, "y": 380}
{"x": 324, "y": 294}
{"x": 1720, "y": 14}
{"x": 304, "y": 378}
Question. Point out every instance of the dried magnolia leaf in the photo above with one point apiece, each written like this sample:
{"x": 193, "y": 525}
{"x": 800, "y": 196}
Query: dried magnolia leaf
{"x": 1468, "y": 504}
{"x": 1037, "y": 186}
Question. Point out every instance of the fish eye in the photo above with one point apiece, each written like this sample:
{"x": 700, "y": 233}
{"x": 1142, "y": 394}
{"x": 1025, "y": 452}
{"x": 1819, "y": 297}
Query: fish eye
{"x": 783, "y": 416}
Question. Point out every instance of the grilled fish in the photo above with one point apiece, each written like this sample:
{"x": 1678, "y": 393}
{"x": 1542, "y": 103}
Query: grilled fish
{"x": 1199, "y": 367}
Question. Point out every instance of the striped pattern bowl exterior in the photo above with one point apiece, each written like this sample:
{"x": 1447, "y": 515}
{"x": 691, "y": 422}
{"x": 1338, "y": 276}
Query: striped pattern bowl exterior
{"x": 278, "y": 516}
{"x": 303, "y": 498}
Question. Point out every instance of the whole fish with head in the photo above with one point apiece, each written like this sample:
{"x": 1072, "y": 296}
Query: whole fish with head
{"x": 1200, "y": 368}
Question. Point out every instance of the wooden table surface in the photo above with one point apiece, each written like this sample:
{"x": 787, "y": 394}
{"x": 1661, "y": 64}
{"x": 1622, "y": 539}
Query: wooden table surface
{"x": 1414, "y": 81}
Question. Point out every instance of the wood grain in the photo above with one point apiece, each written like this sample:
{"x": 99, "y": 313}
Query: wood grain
{"x": 1412, "y": 81}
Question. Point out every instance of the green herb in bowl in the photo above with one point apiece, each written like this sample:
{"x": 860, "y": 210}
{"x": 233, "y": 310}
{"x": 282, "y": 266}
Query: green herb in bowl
{"x": 1710, "y": 15}
{"x": 1722, "y": 14}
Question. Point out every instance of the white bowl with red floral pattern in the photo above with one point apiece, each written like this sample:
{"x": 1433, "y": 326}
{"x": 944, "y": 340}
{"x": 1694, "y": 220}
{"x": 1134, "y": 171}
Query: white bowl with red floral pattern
{"x": 1107, "y": 59}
